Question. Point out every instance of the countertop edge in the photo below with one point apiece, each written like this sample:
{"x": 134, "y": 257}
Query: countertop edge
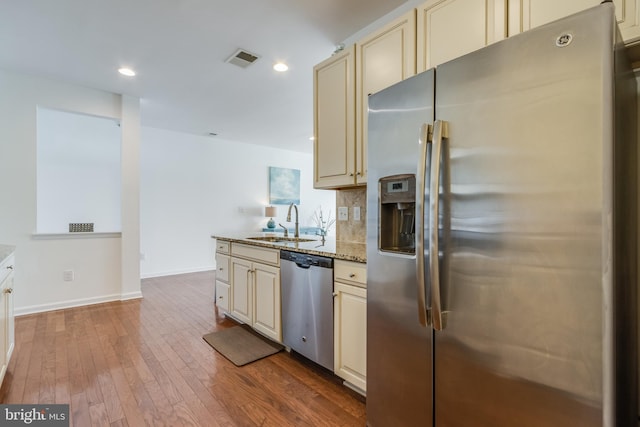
{"x": 306, "y": 247}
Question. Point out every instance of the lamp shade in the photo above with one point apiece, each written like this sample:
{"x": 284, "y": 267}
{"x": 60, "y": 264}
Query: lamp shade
{"x": 270, "y": 211}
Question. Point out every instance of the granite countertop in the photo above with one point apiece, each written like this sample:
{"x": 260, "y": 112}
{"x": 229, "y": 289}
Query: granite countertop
{"x": 348, "y": 251}
{"x": 5, "y": 251}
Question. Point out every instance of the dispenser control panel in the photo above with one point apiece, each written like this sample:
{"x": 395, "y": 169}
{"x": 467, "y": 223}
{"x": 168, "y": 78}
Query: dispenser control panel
{"x": 397, "y": 186}
{"x": 397, "y": 214}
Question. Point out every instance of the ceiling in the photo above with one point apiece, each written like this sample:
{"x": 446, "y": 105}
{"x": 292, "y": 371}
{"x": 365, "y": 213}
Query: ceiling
{"x": 179, "y": 48}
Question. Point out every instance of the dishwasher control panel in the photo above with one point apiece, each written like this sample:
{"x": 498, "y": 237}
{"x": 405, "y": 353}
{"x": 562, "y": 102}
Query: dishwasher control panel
{"x": 306, "y": 260}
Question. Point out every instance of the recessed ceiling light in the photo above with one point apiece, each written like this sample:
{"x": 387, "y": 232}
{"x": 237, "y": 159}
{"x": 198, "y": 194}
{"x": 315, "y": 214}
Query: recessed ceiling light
{"x": 281, "y": 67}
{"x": 126, "y": 72}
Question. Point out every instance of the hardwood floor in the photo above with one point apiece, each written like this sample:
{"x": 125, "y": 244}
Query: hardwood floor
{"x": 144, "y": 362}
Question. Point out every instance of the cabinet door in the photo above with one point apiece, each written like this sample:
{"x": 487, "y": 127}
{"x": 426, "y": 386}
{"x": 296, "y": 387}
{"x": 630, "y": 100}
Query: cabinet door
{"x": 267, "y": 318}
{"x": 6, "y": 284}
{"x": 382, "y": 59}
{"x": 527, "y": 14}
{"x": 350, "y": 320}
{"x": 10, "y": 336}
{"x": 334, "y": 124}
{"x": 241, "y": 290}
{"x": 222, "y": 295}
{"x": 448, "y": 29}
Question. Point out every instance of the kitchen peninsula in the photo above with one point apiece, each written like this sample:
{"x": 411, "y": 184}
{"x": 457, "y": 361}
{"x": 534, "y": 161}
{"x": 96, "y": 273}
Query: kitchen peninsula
{"x": 249, "y": 286}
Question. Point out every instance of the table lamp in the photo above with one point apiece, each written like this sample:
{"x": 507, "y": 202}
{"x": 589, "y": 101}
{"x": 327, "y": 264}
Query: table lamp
{"x": 270, "y": 211}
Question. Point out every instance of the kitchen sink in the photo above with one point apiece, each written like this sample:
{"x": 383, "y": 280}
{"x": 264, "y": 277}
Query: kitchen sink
{"x": 280, "y": 239}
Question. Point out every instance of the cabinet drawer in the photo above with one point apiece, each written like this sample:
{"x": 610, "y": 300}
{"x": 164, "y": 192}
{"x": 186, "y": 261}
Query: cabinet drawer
{"x": 222, "y": 267}
{"x": 222, "y": 295}
{"x": 255, "y": 253}
{"x": 353, "y": 272}
{"x": 222, "y": 246}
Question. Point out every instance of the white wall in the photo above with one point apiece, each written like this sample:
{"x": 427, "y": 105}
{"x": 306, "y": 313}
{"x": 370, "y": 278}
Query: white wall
{"x": 195, "y": 186}
{"x": 40, "y": 262}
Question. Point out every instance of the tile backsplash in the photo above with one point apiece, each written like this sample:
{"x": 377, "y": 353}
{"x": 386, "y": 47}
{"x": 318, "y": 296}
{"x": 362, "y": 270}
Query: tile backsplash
{"x": 352, "y": 230}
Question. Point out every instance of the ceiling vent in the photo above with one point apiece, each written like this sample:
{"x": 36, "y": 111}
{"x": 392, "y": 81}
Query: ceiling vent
{"x": 242, "y": 58}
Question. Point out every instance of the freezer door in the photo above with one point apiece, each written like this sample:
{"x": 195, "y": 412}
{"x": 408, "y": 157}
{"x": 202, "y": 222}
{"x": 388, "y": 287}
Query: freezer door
{"x": 399, "y": 348}
{"x": 525, "y": 165}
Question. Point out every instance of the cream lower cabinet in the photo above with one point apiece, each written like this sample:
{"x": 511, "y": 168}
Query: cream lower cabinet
{"x": 7, "y": 337}
{"x": 255, "y": 289}
{"x": 222, "y": 282}
{"x": 350, "y": 323}
{"x": 222, "y": 286}
{"x": 527, "y": 14}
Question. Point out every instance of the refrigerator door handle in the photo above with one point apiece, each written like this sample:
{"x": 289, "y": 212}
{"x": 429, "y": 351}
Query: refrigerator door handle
{"x": 440, "y": 131}
{"x": 423, "y": 142}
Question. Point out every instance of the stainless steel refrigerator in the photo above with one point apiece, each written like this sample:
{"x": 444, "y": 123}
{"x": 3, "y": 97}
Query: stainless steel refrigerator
{"x": 501, "y": 245}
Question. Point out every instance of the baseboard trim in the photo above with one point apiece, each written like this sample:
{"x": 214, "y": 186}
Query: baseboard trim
{"x": 176, "y": 272}
{"x": 32, "y": 309}
{"x": 131, "y": 295}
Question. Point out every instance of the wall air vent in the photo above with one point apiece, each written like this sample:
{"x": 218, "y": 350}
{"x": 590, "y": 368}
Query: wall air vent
{"x": 242, "y": 58}
{"x": 80, "y": 227}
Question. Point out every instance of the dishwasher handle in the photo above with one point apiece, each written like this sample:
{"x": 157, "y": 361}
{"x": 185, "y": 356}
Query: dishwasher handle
{"x": 303, "y": 265}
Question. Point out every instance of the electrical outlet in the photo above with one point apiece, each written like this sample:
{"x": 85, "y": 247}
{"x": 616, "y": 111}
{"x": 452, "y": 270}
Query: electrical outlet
{"x": 343, "y": 213}
{"x": 356, "y": 213}
{"x": 68, "y": 276}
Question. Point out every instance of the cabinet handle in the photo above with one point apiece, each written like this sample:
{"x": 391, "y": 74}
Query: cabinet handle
{"x": 359, "y": 173}
{"x": 352, "y": 275}
{"x": 8, "y": 291}
{"x": 220, "y": 268}
{"x": 10, "y": 267}
{"x": 335, "y": 294}
{"x": 220, "y": 297}
{"x": 351, "y": 174}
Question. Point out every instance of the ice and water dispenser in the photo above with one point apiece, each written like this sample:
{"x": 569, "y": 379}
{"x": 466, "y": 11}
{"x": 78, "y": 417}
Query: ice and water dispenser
{"x": 397, "y": 214}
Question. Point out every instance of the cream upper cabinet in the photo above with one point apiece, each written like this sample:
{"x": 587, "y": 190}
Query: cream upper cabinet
{"x": 334, "y": 120}
{"x": 447, "y": 29}
{"x": 527, "y": 14}
{"x": 342, "y": 85}
{"x": 382, "y": 59}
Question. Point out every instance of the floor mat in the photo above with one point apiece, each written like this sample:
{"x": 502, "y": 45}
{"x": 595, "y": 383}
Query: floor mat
{"x": 241, "y": 345}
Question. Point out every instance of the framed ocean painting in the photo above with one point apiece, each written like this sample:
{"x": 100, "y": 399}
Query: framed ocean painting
{"x": 284, "y": 186}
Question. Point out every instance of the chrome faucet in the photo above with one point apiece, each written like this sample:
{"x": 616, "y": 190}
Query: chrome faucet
{"x": 297, "y": 231}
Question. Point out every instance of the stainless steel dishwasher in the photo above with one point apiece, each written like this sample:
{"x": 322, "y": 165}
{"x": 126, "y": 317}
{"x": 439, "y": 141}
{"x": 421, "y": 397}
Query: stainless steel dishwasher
{"x": 307, "y": 305}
